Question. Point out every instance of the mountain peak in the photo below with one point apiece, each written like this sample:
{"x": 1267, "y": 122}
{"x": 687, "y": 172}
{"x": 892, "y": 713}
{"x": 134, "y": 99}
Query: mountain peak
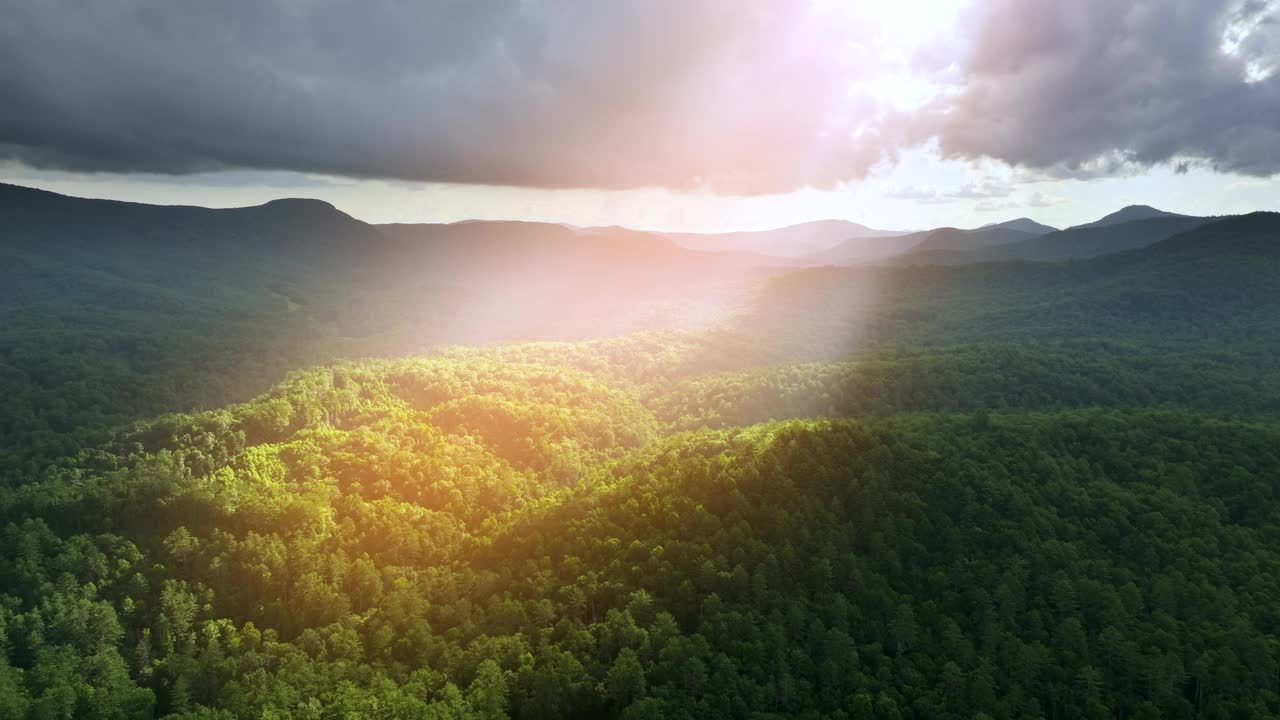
{"x": 1129, "y": 213}
{"x": 1023, "y": 224}
{"x": 296, "y": 210}
{"x": 310, "y": 205}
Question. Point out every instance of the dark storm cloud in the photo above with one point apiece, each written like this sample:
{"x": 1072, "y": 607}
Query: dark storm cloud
{"x": 733, "y": 95}
{"x": 728, "y": 95}
{"x": 1094, "y": 87}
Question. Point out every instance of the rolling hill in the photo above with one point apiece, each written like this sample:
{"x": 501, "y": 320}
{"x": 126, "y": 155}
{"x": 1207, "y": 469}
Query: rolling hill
{"x": 497, "y": 535}
{"x": 174, "y": 308}
{"x": 1023, "y": 224}
{"x": 1070, "y": 244}
{"x": 1024, "y": 239}
{"x": 940, "y": 242}
{"x": 954, "y": 240}
{"x": 1226, "y": 295}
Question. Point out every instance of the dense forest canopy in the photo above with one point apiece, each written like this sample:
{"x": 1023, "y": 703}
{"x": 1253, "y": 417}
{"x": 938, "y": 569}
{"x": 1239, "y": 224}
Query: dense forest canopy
{"x": 276, "y": 463}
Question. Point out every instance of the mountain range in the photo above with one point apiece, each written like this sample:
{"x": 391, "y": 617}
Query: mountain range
{"x": 323, "y": 279}
{"x": 1216, "y": 283}
{"x": 279, "y": 225}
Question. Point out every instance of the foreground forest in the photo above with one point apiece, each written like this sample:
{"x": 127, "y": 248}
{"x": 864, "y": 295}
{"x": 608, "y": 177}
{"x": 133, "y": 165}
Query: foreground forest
{"x": 531, "y": 533}
{"x": 726, "y": 489}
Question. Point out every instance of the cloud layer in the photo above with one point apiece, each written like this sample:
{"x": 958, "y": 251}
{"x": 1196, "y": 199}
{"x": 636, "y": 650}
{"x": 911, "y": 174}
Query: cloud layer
{"x": 734, "y": 96}
{"x": 1095, "y": 87}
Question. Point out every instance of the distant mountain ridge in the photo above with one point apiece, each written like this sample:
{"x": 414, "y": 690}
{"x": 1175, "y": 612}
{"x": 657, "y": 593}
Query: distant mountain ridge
{"x": 288, "y": 224}
{"x": 334, "y": 280}
{"x": 954, "y": 239}
{"x": 483, "y": 240}
{"x": 1094, "y": 240}
{"x": 33, "y": 217}
{"x": 1076, "y": 243}
{"x": 946, "y": 240}
{"x": 20, "y": 198}
{"x": 1216, "y": 283}
{"x": 791, "y": 241}
{"x": 1255, "y": 234}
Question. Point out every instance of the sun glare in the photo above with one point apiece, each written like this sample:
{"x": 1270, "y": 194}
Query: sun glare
{"x": 891, "y": 36}
{"x": 904, "y": 25}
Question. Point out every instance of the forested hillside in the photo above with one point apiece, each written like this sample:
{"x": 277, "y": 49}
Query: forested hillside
{"x": 633, "y": 360}
{"x": 113, "y": 311}
{"x": 1214, "y": 290}
{"x": 490, "y": 536}
{"x": 1076, "y": 243}
{"x": 274, "y": 462}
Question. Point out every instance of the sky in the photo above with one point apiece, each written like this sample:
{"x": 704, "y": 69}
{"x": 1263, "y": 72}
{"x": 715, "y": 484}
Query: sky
{"x": 692, "y": 115}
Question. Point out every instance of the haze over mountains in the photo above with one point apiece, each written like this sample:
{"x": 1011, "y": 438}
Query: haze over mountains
{"x": 293, "y": 282}
{"x": 502, "y": 280}
{"x": 793, "y": 241}
{"x": 818, "y": 242}
{"x": 841, "y": 243}
{"x": 1216, "y": 285}
{"x": 281, "y": 225}
{"x": 313, "y": 284}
